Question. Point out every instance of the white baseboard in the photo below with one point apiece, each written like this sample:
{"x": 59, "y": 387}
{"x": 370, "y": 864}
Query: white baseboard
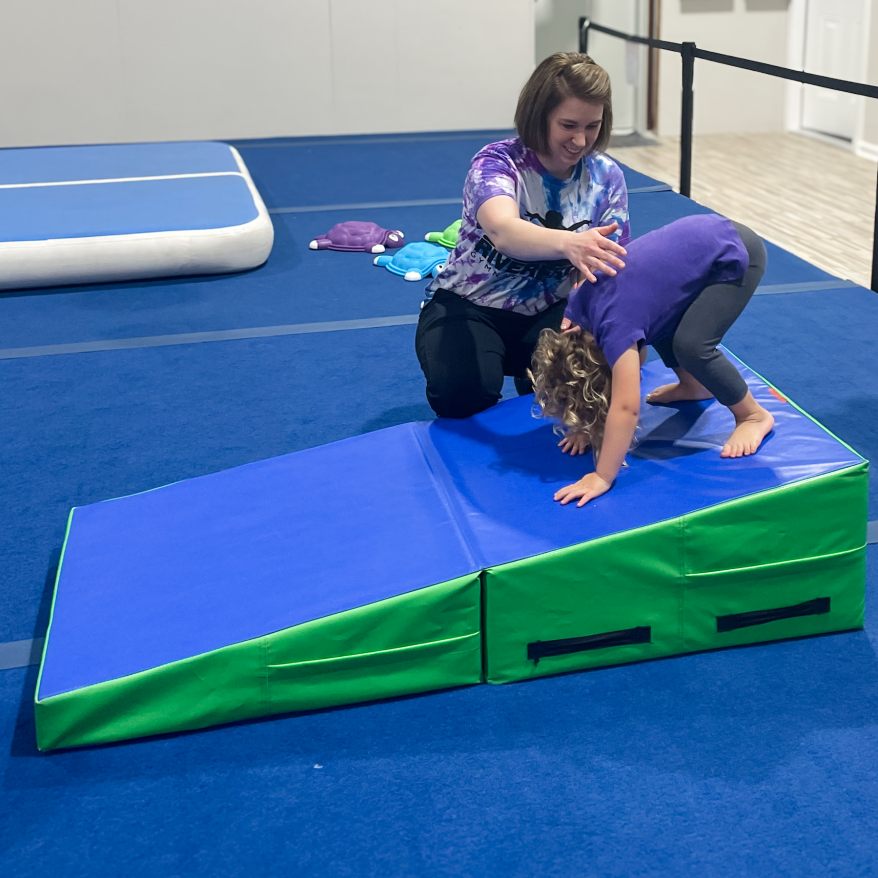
{"x": 866, "y": 150}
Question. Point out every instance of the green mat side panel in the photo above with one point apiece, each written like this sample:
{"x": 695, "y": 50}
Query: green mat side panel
{"x": 784, "y": 563}
{"x": 794, "y": 566}
{"x": 424, "y": 640}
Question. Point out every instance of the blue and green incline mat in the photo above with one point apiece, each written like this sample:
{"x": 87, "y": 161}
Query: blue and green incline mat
{"x": 431, "y": 555}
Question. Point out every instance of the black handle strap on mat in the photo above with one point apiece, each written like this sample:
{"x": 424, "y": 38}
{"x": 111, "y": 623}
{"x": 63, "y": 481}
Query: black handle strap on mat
{"x": 567, "y": 645}
{"x": 760, "y": 617}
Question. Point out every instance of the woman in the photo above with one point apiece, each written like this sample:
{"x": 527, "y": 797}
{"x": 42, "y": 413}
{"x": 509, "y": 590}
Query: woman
{"x": 538, "y": 210}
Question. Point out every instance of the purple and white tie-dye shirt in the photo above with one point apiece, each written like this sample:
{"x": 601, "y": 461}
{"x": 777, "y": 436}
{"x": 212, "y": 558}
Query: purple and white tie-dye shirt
{"x": 594, "y": 195}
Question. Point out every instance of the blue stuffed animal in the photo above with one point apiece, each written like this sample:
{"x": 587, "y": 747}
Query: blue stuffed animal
{"x": 415, "y": 261}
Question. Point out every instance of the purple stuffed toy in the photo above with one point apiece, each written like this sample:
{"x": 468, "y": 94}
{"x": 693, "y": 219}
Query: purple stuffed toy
{"x": 355, "y": 235}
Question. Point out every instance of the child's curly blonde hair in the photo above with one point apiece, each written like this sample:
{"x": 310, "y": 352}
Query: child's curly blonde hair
{"x": 571, "y": 381}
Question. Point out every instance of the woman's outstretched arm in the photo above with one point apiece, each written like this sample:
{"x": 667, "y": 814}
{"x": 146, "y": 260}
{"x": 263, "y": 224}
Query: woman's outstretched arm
{"x": 588, "y": 251}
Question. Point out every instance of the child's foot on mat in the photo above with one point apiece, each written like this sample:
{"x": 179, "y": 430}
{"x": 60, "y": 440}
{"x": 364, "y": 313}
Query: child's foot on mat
{"x": 748, "y": 434}
{"x": 680, "y": 392}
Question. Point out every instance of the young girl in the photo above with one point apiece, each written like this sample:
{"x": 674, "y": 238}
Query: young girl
{"x": 683, "y": 286}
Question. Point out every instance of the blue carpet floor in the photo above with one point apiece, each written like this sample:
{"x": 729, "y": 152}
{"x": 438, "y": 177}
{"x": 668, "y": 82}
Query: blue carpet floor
{"x": 756, "y": 761}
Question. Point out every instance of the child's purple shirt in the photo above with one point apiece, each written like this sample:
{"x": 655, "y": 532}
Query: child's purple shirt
{"x": 664, "y": 271}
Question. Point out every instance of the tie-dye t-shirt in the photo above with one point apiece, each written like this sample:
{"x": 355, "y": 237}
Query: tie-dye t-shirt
{"x": 594, "y": 195}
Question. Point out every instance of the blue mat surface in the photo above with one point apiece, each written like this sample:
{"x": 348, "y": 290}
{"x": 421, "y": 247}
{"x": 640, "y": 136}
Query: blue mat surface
{"x": 91, "y": 210}
{"x": 73, "y": 215}
{"x": 201, "y": 564}
{"x": 114, "y": 161}
{"x": 198, "y": 565}
{"x": 505, "y": 469}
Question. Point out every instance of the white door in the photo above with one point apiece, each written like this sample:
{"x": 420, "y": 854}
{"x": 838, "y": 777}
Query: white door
{"x": 833, "y": 47}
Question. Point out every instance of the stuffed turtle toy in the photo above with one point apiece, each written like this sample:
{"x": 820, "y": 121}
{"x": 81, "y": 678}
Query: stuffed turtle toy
{"x": 355, "y": 235}
{"x": 415, "y": 261}
{"x": 447, "y": 237}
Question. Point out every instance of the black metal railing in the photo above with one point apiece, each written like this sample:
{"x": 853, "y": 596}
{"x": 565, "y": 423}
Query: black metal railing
{"x": 689, "y": 52}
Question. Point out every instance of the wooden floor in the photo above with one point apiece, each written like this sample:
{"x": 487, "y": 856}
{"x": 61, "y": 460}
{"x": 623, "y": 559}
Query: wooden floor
{"x": 813, "y": 198}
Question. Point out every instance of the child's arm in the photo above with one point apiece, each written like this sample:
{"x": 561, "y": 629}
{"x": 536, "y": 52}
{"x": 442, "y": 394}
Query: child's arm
{"x": 618, "y": 432}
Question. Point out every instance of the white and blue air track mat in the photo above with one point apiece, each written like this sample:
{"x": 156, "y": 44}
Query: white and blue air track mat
{"x": 431, "y": 554}
{"x": 124, "y": 212}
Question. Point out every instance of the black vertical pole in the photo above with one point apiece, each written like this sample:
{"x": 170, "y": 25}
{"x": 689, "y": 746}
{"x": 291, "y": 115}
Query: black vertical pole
{"x": 686, "y": 112}
{"x": 875, "y": 243}
{"x": 584, "y": 23}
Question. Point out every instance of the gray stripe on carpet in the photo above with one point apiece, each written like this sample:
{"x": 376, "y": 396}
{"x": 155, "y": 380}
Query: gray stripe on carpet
{"x": 20, "y": 653}
{"x": 158, "y": 341}
{"x": 811, "y": 286}
{"x": 655, "y": 187}
{"x": 364, "y": 205}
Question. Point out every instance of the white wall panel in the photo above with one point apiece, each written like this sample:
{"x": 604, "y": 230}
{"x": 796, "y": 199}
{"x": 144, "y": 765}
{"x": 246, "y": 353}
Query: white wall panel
{"x": 367, "y": 82}
{"x": 726, "y": 99}
{"x": 127, "y": 70}
{"x": 201, "y": 68}
{"x": 475, "y": 74}
{"x": 59, "y": 65}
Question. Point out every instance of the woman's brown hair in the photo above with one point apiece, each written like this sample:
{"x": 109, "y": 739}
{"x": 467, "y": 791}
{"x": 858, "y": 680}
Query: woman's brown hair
{"x": 556, "y": 78}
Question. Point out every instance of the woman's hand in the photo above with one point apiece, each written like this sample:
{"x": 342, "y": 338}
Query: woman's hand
{"x": 594, "y": 251}
{"x": 574, "y": 443}
{"x": 587, "y": 488}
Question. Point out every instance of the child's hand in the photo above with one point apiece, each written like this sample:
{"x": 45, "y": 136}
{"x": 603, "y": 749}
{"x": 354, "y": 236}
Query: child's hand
{"x": 587, "y": 488}
{"x": 574, "y": 443}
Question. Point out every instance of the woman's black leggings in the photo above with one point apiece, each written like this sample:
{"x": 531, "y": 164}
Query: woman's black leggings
{"x": 693, "y": 344}
{"x": 465, "y": 350}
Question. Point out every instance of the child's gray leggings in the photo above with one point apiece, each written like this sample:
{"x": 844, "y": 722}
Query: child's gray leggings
{"x": 693, "y": 344}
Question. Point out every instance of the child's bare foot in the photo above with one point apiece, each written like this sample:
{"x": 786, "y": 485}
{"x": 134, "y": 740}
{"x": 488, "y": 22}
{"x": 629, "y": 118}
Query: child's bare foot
{"x": 747, "y": 436}
{"x": 682, "y": 391}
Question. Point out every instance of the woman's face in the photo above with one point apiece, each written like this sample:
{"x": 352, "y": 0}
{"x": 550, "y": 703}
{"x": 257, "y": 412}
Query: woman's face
{"x": 574, "y": 126}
